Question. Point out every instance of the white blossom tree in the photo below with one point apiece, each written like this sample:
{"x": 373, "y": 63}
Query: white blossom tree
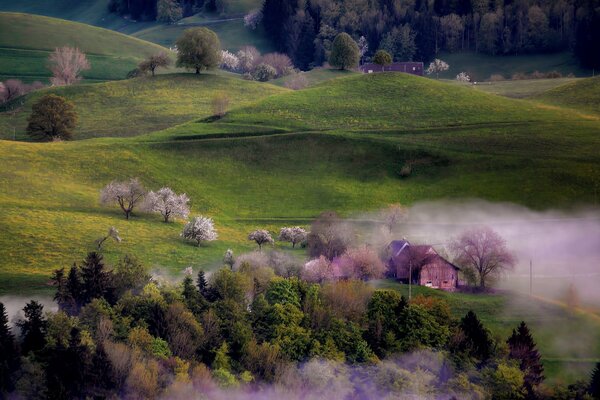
{"x": 126, "y": 194}
{"x": 201, "y": 229}
{"x": 168, "y": 203}
{"x": 253, "y": 19}
{"x": 248, "y": 57}
{"x": 363, "y": 47}
{"x": 228, "y": 258}
{"x": 436, "y": 67}
{"x": 318, "y": 270}
{"x": 229, "y": 61}
{"x": 463, "y": 77}
{"x": 294, "y": 235}
{"x": 260, "y": 236}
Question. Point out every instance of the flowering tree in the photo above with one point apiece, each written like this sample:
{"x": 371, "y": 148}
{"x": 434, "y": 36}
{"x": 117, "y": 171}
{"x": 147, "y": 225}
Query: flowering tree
{"x": 126, "y": 194}
{"x": 248, "y": 57}
{"x": 482, "y": 250}
{"x": 253, "y": 19}
{"x": 261, "y": 237}
{"x": 297, "y": 81}
{"x": 319, "y": 270}
{"x": 281, "y": 62}
{"x": 463, "y": 77}
{"x": 229, "y": 61}
{"x": 293, "y": 235}
{"x": 112, "y": 233}
{"x": 201, "y": 229}
{"x": 66, "y": 63}
{"x": 167, "y": 203}
{"x": 361, "y": 263}
{"x": 228, "y": 258}
{"x": 436, "y": 67}
{"x": 363, "y": 46}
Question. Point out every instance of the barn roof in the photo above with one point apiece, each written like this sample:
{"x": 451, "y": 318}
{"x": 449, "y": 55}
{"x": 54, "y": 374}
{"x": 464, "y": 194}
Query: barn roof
{"x": 399, "y": 253}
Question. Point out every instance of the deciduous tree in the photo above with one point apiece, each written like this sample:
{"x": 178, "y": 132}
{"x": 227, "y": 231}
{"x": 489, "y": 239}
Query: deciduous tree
{"x": 167, "y": 203}
{"x": 150, "y": 64}
{"x": 437, "y": 66}
{"x": 66, "y": 64}
{"x": 344, "y": 52}
{"x": 382, "y": 58}
{"x": 52, "y": 118}
{"x": 294, "y": 235}
{"x": 200, "y": 229}
{"x": 261, "y": 237}
{"x": 168, "y": 11}
{"x": 127, "y": 194}
{"x": 198, "y": 49}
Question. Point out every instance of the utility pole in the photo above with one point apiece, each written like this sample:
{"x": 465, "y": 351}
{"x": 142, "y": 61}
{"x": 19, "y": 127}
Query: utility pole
{"x": 530, "y": 277}
{"x": 409, "y": 280}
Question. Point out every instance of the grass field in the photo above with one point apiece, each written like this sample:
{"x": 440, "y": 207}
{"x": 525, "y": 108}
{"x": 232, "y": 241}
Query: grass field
{"x": 27, "y": 40}
{"x": 316, "y": 76}
{"x": 133, "y": 107}
{"x": 519, "y": 89}
{"x": 481, "y": 66}
{"x": 580, "y": 95}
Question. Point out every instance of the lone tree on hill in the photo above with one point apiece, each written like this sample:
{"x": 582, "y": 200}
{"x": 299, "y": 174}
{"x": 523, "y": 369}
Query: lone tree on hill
{"x": 199, "y": 49}
{"x": 201, "y": 229}
{"x": 436, "y": 67}
{"x": 484, "y": 251}
{"x": 523, "y": 349}
{"x": 52, "y": 118}
{"x": 159, "y": 60}
{"x": 344, "y": 52}
{"x": 66, "y": 64}
{"x": 382, "y": 58}
{"x": 260, "y": 236}
{"x": 126, "y": 194}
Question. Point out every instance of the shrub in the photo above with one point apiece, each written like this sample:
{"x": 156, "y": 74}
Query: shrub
{"x": 296, "y": 82}
{"x": 280, "y": 62}
{"x": 263, "y": 73}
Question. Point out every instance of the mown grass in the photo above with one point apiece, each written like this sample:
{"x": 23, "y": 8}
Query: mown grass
{"x": 316, "y": 76}
{"x": 583, "y": 95}
{"x": 519, "y": 89}
{"x": 569, "y": 342}
{"x": 26, "y": 41}
{"x": 132, "y": 107}
{"x": 481, "y": 66}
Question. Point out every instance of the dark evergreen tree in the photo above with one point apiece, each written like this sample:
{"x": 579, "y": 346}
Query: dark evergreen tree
{"x": 33, "y": 328}
{"x": 100, "y": 377}
{"x": 201, "y": 282}
{"x": 276, "y": 14}
{"x": 523, "y": 349}
{"x": 594, "y": 388}
{"x": 75, "y": 287}
{"x": 305, "y": 50}
{"x": 9, "y": 355}
{"x": 194, "y": 301}
{"x": 477, "y": 342}
{"x": 63, "y": 296}
{"x": 96, "y": 280}
{"x": 67, "y": 368}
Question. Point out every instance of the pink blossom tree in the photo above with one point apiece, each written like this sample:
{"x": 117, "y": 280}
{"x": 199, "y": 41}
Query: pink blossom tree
{"x": 167, "y": 203}
{"x": 261, "y": 236}
{"x": 361, "y": 263}
{"x": 126, "y": 194}
{"x": 319, "y": 270}
{"x": 66, "y": 64}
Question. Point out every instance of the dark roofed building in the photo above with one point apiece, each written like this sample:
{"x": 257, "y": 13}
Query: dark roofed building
{"x": 428, "y": 267}
{"x": 414, "y": 68}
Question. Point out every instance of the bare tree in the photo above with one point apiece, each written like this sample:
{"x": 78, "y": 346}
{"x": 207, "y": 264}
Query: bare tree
{"x": 112, "y": 233}
{"x": 126, "y": 194}
{"x": 167, "y": 203}
{"x": 220, "y": 104}
{"x": 160, "y": 60}
{"x": 393, "y": 215}
{"x": 483, "y": 250}
{"x": 260, "y": 236}
{"x": 11, "y": 89}
{"x": 66, "y": 63}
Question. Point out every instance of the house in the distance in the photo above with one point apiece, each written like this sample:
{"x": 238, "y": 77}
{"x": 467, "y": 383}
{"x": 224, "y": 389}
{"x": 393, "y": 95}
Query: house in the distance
{"x": 414, "y": 68}
{"x": 427, "y": 266}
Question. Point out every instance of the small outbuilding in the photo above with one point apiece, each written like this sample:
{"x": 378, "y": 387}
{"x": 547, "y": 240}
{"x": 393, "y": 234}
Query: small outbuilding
{"x": 427, "y": 266}
{"x": 413, "y": 68}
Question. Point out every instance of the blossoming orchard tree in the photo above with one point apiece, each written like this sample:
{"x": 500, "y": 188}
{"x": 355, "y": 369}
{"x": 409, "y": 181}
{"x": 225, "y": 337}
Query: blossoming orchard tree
{"x": 66, "y": 64}
{"x": 126, "y": 194}
{"x": 436, "y": 67}
{"x": 167, "y": 203}
{"x": 293, "y": 235}
{"x": 260, "y": 236}
{"x": 200, "y": 229}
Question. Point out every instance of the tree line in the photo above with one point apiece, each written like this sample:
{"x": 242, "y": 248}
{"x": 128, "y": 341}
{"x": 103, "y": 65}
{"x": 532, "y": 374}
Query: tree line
{"x": 419, "y": 29}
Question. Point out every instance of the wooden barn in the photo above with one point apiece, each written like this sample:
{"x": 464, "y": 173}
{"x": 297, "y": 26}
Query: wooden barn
{"x": 414, "y": 68}
{"x": 428, "y": 267}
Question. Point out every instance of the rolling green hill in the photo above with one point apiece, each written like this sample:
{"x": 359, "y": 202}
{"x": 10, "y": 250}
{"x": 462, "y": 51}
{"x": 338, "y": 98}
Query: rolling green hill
{"x": 26, "y": 41}
{"x": 141, "y": 105}
{"x": 583, "y": 95}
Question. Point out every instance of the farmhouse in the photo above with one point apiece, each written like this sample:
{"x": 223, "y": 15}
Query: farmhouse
{"x": 414, "y": 68}
{"x": 428, "y": 267}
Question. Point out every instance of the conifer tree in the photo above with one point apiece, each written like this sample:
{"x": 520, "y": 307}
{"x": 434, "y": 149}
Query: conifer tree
{"x": 594, "y": 387}
{"x": 96, "y": 280}
{"x": 33, "y": 327}
{"x": 9, "y": 356}
{"x": 477, "y": 341}
{"x": 523, "y": 349}
{"x": 192, "y": 297}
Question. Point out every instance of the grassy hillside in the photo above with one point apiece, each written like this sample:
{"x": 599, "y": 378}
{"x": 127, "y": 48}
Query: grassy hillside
{"x": 27, "y": 40}
{"x": 569, "y": 341}
{"x": 316, "y": 76}
{"x": 580, "y": 95}
{"x": 141, "y": 105}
